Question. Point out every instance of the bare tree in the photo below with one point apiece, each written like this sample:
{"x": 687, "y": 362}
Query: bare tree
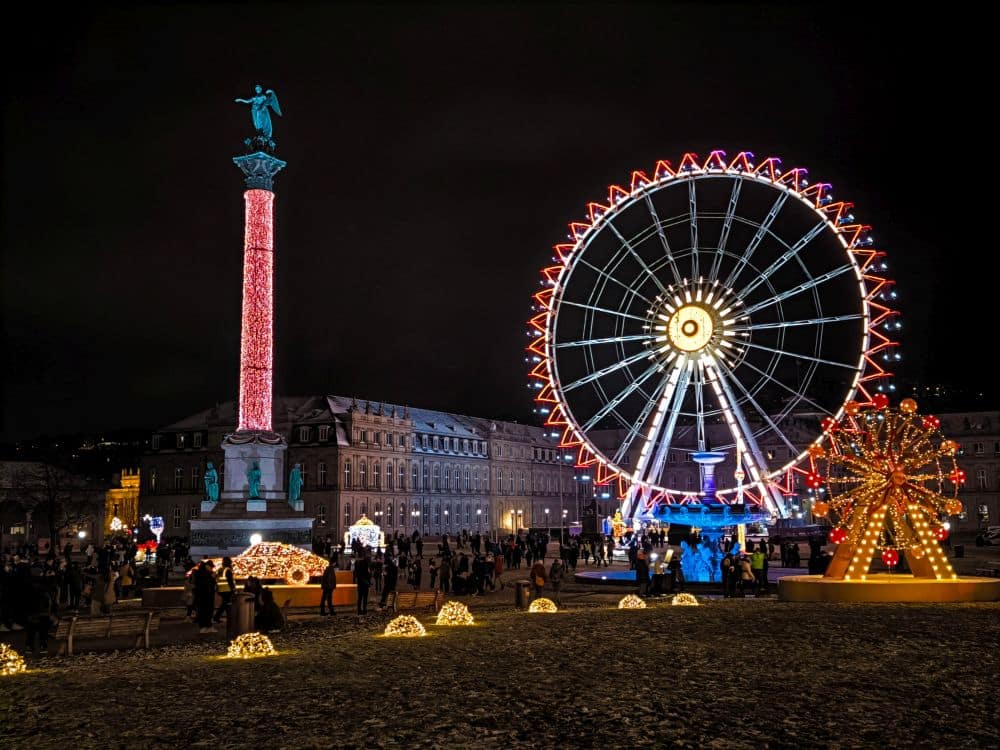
{"x": 53, "y": 495}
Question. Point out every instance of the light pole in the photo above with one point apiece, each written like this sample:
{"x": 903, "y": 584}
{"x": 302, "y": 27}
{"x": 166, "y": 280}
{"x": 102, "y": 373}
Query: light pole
{"x": 513, "y": 530}
{"x": 446, "y": 526}
{"x": 479, "y": 521}
{"x": 519, "y": 514}
{"x": 561, "y": 528}
{"x": 548, "y": 528}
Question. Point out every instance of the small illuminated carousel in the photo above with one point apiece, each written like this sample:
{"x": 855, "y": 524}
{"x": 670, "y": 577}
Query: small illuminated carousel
{"x": 367, "y": 532}
{"x": 891, "y": 482}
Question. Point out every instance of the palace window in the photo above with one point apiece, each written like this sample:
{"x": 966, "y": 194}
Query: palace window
{"x": 303, "y": 434}
{"x": 475, "y": 479}
{"x": 347, "y": 515}
{"x": 402, "y": 440}
{"x": 437, "y": 478}
{"x": 981, "y": 478}
{"x": 388, "y": 475}
{"x": 178, "y": 478}
{"x": 177, "y": 516}
{"x": 402, "y": 514}
{"x": 196, "y": 440}
{"x": 347, "y": 474}
{"x": 193, "y": 511}
{"x": 321, "y": 473}
{"x": 195, "y": 477}
{"x": 510, "y": 481}
{"x": 377, "y": 475}
{"x": 152, "y": 480}
{"x": 324, "y": 434}
{"x": 468, "y": 483}
{"x": 378, "y": 438}
{"x": 978, "y": 449}
{"x": 156, "y": 442}
{"x": 402, "y": 475}
{"x": 180, "y": 441}
{"x": 427, "y": 482}
{"x": 321, "y": 513}
{"x": 364, "y": 475}
{"x": 522, "y": 482}
{"x": 414, "y": 477}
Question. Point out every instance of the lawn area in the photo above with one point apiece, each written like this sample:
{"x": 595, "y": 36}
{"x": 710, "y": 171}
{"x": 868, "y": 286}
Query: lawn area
{"x": 728, "y": 674}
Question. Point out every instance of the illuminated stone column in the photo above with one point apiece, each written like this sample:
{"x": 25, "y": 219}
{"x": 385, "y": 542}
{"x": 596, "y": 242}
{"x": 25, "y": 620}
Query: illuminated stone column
{"x": 256, "y": 340}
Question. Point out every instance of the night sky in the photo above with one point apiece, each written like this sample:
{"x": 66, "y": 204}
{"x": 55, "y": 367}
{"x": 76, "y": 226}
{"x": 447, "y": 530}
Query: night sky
{"x": 434, "y": 156}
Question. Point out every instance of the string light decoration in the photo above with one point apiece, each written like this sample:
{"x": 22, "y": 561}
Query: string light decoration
{"x": 405, "y": 626}
{"x": 256, "y": 340}
{"x": 250, "y": 646}
{"x": 10, "y": 661}
{"x": 543, "y": 605}
{"x": 891, "y": 481}
{"x": 276, "y": 561}
{"x": 631, "y": 602}
{"x": 684, "y": 600}
{"x": 454, "y": 613}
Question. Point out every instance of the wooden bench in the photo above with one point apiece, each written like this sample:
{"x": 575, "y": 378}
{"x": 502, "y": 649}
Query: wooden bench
{"x": 415, "y": 600}
{"x": 138, "y": 624}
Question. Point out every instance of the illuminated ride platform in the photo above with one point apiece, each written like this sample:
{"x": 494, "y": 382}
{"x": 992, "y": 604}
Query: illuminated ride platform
{"x": 888, "y": 587}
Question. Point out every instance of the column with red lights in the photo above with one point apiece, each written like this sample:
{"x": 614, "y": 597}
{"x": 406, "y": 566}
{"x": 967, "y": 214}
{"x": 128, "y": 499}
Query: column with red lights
{"x": 256, "y": 342}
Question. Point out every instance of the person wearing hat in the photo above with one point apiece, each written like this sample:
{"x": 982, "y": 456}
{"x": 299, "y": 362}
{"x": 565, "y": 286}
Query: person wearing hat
{"x": 204, "y": 594}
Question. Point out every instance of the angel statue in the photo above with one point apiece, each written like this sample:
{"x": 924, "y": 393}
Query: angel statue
{"x": 259, "y": 104}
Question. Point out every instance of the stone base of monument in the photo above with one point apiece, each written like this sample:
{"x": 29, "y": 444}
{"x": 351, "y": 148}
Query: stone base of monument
{"x": 226, "y": 537}
{"x": 883, "y": 587}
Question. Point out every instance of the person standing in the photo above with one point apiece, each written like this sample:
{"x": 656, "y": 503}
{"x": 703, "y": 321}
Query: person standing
{"x": 537, "y": 578}
{"x": 391, "y": 578}
{"x": 433, "y": 571}
{"x": 757, "y": 567}
{"x": 556, "y": 573}
{"x": 746, "y": 575}
{"x": 204, "y": 595}
{"x": 446, "y": 575}
{"x": 363, "y": 579}
{"x": 728, "y": 569}
{"x": 642, "y": 572}
{"x": 226, "y": 585}
{"x": 328, "y": 585}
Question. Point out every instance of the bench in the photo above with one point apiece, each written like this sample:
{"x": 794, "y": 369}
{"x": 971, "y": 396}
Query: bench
{"x": 414, "y": 600}
{"x": 138, "y": 624}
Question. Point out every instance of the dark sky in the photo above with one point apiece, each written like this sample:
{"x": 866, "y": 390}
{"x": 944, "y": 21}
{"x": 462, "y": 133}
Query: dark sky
{"x": 434, "y": 156}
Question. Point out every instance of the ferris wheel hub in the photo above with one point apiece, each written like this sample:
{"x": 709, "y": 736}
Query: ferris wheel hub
{"x": 690, "y": 329}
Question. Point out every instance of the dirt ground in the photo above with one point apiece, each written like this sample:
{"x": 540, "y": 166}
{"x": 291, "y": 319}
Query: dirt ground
{"x": 730, "y": 673}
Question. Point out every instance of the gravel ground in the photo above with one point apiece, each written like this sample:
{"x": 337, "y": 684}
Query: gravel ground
{"x": 729, "y": 674}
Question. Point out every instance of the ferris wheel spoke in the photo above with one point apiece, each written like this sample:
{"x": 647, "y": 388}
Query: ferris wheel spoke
{"x": 663, "y": 239}
{"x": 604, "y": 274}
{"x": 723, "y": 369}
{"x": 803, "y": 287}
{"x": 619, "y": 397}
{"x": 635, "y": 430}
{"x": 794, "y": 323}
{"x": 699, "y": 405}
{"x": 606, "y": 311}
{"x": 638, "y": 259}
{"x": 783, "y": 259}
{"x": 693, "y": 218}
{"x": 727, "y": 225}
{"x": 606, "y": 370}
{"x": 796, "y": 355}
{"x": 758, "y": 236}
{"x": 744, "y": 437}
{"x": 605, "y": 340}
{"x": 785, "y": 386}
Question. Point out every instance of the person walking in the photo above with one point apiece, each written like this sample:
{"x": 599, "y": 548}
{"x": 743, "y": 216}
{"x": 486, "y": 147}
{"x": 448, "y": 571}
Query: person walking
{"x": 226, "y": 585}
{"x": 328, "y": 585}
{"x": 363, "y": 579}
{"x": 556, "y": 573}
{"x": 537, "y": 576}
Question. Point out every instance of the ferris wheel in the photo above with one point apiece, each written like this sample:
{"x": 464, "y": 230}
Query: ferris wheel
{"x": 722, "y": 305}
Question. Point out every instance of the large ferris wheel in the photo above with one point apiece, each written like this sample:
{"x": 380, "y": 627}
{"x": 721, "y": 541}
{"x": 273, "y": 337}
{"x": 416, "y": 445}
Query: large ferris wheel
{"x": 719, "y": 305}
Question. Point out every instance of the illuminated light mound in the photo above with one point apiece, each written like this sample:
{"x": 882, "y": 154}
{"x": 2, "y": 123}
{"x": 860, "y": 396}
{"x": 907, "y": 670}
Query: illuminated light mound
{"x": 454, "y": 613}
{"x": 405, "y": 626}
{"x": 543, "y": 605}
{"x": 684, "y": 600}
{"x": 250, "y": 646}
{"x": 631, "y": 602}
{"x": 10, "y": 661}
{"x": 270, "y": 561}
{"x": 256, "y": 342}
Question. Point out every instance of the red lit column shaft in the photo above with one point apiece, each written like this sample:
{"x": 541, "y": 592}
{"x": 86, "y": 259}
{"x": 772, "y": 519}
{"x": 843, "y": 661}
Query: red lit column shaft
{"x": 256, "y": 346}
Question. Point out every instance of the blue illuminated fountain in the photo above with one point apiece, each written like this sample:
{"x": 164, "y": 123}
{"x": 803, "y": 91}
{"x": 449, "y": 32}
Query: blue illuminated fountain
{"x": 700, "y": 562}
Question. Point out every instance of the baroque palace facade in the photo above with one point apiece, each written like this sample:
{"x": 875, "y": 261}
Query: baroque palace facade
{"x": 406, "y": 469}
{"x": 415, "y": 469}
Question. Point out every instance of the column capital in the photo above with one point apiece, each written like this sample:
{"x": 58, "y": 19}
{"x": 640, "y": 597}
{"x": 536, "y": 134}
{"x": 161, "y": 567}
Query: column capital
{"x": 259, "y": 169}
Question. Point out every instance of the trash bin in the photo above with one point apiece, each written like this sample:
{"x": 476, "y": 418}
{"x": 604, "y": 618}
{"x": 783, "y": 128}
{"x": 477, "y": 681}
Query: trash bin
{"x": 959, "y": 550}
{"x": 240, "y": 618}
{"x": 522, "y": 593}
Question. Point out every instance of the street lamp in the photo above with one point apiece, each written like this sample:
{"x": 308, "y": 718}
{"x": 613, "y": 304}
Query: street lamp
{"x": 562, "y": 527}
{"x": 519, "y": 514}
{"x": 447, "y": 527}
{"x": 513, "y": 529}
{"x": 479, "y": 520}
{"x": 549, "y": 528}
